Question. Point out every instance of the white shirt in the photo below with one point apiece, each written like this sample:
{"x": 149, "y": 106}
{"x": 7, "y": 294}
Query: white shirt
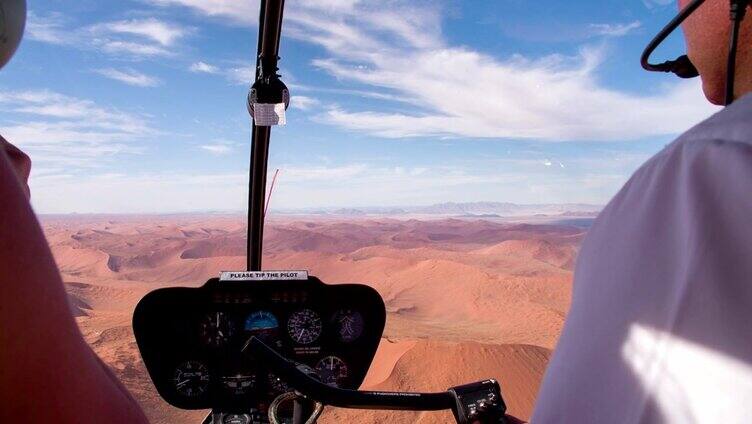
{"x": 660, "y": 328}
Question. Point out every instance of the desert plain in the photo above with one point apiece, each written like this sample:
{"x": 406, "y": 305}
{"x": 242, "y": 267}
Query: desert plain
{"x": 466, "y": 299}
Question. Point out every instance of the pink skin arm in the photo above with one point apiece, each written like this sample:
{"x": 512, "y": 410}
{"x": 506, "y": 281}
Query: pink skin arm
{"x": 48, "y": 372}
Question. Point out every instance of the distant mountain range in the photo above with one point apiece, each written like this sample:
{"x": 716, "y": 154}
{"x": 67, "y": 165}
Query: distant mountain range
{"x": 475, "y": 209}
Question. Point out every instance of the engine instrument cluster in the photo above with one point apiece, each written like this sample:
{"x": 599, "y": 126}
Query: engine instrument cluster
{"x": 191, "y": 339}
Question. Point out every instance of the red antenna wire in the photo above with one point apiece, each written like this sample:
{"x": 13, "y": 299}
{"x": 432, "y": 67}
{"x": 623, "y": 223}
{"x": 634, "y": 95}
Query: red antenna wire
{"x": 271, "y": 190}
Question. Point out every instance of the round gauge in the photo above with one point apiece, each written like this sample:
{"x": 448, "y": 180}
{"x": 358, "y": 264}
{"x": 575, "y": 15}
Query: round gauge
{"x": 304, "y": 326}
{"x": 236, "y": 419}
{"x": 263, "y": 325}
{"x": 217, "y": 329}
{"x": 191, "y": 379}
{"x": 277, "y": 384}
{"x": 239, "y": 384}
{"x": 332, "y": 371}
{"x": 349, "y": 324}
{"x": 261, "y": 322}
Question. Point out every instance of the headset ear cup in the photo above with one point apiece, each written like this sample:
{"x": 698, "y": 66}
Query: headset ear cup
{"x": 12, "y": 24}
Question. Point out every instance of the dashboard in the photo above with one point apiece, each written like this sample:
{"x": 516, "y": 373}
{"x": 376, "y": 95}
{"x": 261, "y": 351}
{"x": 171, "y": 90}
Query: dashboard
{"x": 191, "y": 339}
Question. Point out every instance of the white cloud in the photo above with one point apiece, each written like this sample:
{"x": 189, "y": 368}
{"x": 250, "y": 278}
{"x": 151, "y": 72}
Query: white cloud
{"x": 134, "y": 49}
{"x": 615, "y": 30}
{"x": 47, "y": 29}
{"x": 369, "y": 185}
{"x": 161, "y": 32}
{"x": 154, "y": 192}
{"x": 63, "y": 131}
{"x": 303, "y": 102}
{"x": 334, "y": 185}
{"x": 216, "y": 149}
{"x": 203, "y": 67}
{"x": 238, "y": 11}
{"x": 241, "y": 74}
{"x": 322, "y": 173}
{"x": 651, "y": 4}
{"x": 129, "y": 76}
{"x": 460, "y": 92}
{"x": 131, "y": 39}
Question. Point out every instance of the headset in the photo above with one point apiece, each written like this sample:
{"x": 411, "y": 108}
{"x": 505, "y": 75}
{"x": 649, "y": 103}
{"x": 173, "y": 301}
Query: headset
{"x": 682, "y": 66}
{"x": 12, "y": 24}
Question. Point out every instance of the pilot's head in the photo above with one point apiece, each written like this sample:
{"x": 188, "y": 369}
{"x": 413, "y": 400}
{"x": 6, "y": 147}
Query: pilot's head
{"x": 707, "y": 32}
{"x": 12, "y": 23}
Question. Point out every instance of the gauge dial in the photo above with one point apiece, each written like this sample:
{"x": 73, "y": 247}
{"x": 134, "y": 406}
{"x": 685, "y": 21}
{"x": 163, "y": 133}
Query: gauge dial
{"x": 263, "y": 325}
{"x": 304, "y": 326}
{"x": 349, "y": 324}
{"x": 261, "y": 321}
{"x": 277, "y": 384}
{"x": 217, "y": 329}
{"x": 191, "y": 379}
{"x": 332, "y": 371}
{"x": 236, "y": 419}
{"x": 239, "y": 384}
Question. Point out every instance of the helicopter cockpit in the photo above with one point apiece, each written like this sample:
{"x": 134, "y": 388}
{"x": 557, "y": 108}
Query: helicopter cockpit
{"x": 261, "y": 346}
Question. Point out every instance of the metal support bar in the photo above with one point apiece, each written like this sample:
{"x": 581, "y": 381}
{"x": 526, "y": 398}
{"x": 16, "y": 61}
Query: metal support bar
{"x": 270, "y": 28}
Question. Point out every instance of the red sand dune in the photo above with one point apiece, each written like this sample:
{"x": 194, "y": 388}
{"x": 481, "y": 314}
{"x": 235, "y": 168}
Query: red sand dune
{"x": 466, "y": 299}
{"x": 519, "y": 369}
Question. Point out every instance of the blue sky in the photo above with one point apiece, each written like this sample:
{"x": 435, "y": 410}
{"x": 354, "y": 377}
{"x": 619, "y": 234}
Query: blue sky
{"x": 138, "y": 106}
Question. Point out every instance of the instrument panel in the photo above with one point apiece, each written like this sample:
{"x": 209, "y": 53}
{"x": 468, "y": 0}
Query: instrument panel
{"x": 191, "y": 339}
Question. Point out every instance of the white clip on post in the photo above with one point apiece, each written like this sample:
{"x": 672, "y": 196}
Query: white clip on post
{"x": 268, "y": 100}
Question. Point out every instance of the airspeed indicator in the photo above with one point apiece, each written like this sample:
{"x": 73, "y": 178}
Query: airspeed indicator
{"x": 304, "y": 326}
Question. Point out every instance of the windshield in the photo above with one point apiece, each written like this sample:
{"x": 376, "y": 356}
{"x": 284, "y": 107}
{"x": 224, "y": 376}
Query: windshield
{"x": 452, "y": 155}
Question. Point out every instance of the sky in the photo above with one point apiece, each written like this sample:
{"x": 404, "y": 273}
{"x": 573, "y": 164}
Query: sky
{"x": 139, "y": 106}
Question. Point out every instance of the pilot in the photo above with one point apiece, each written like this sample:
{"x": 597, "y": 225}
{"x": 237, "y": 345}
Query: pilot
{"x": 660, "y": 326}
{"x": 48, "y": 374}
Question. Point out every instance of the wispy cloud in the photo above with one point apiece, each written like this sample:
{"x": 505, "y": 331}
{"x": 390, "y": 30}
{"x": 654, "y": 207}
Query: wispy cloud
{"x": 48, "y": 29}
{"x": 132, "y": 49}
{"x": 459, "y": 92}
{"x": 234, "y": 73}
{"x": 161, "y": 192}
{"x": 333, "y": 185}
{"x": 129, "y": 76}
{"x": 203, "y": 67}
{"x": 166, "y": 34}
{"x": 303, "y": 102}
{"x": 126, "y": 39}
{"x": 240, "y": 74}
{"x": 216, "y": 149}
{"x": 651, "y": 4}
{"x": 69, "y": 132}
{"x": 615, "y": 30}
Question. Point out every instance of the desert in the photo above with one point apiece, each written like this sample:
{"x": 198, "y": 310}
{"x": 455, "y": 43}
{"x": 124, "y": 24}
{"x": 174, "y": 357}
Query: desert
{"x": 467, "y": 298}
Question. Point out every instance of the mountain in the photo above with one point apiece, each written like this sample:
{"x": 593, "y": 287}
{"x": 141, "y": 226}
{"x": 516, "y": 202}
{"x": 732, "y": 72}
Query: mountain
{"x": 474, "y": 209}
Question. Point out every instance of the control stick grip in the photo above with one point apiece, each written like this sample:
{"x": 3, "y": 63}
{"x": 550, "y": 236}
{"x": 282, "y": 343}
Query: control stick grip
{"x": 479, "y": 402}
{"x": 473, "y": 403}
{"x": 344, "y": 398}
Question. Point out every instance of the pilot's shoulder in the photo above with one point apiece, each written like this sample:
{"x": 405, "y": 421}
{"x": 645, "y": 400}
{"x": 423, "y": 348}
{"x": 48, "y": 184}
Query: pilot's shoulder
{"x": 726, "y": 132}
{"x": 715, "y": 152}
{"x": 731, "y": 125}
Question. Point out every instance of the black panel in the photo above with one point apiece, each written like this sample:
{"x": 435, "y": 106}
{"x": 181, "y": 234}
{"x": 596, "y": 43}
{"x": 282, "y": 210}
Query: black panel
{"x": 191, "y": 338}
